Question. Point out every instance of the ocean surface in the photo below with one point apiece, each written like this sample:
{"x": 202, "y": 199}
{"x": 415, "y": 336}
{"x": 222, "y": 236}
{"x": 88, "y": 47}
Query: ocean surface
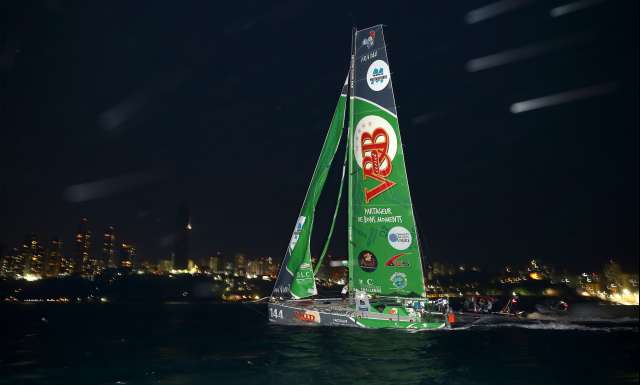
{"x": 235, "y": 344}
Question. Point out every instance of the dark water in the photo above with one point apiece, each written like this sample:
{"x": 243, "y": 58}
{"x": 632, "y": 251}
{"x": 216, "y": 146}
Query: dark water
{"x": 218, "y": 344}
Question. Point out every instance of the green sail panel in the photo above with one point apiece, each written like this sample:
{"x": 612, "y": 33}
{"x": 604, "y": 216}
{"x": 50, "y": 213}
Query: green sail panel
{"x": 384, "y": 254}
{"x": 296, "y": 278}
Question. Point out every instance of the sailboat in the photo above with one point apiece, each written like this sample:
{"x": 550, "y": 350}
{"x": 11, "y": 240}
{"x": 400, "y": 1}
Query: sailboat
{"x": 386, "y": 282}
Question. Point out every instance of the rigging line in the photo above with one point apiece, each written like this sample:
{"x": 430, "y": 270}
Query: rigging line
{"x": 249, "y": 303}
{"x": 420, "y": 237}
{"x": 257, "y": 300}
{"x": 335, "y": 214}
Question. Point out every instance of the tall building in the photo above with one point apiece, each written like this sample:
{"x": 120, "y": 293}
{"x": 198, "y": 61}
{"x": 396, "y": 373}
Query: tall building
{"x": 271, "y": 267}
{"x": 5, "y": 265}
{"x": 240, "y": 265}
{"x": 54, "y": 258}
{"x": 66, "y": 265}
{"x": 227, "y": 264}
{"x": 32, "y": 254}
{"x": 17, "y": 262}
{"x": 256, "y": 267}
{"x": 12, "y": 263}
{"x": 109, "y": 254}
{"x": 127, "y": 255}
{"x": 181, "y": 243}
{"x": 82, "y": 247}
{"x": 214, "y": 264}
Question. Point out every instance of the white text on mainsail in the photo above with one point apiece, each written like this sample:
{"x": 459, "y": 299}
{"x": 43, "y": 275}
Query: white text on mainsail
{"x": 366, "y": 57}
{"x": 377, "y": 210}
{"x": 374, "y": 219}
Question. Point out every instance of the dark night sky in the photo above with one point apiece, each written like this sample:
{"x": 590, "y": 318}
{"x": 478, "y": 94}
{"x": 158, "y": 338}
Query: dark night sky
{"x": 225, "y": 107}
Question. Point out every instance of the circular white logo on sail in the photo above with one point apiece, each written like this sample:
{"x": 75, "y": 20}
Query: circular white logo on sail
{"x": 378, "y": 75}
{"x": 399, "y": 238}
{"x": 375, "y": 134}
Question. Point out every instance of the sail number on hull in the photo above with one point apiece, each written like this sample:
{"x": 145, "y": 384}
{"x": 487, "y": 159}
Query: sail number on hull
{"x": 275, "y": 313}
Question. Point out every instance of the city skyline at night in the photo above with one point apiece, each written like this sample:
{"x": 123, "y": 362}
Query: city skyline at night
{"x": 196, "y": 120}
{"x": 304, "y": 192}
{"x": 48, "y": 257}
{"x": 500, "y": 175}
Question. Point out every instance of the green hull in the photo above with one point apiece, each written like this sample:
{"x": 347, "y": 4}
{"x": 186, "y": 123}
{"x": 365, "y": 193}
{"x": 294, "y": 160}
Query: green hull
{"x": 372, "y": 323}
{"x": 338, "y": 312}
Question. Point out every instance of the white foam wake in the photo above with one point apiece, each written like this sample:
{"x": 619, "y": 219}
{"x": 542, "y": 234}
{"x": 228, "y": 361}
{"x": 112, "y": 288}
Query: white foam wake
{"x": 558, "y": 326}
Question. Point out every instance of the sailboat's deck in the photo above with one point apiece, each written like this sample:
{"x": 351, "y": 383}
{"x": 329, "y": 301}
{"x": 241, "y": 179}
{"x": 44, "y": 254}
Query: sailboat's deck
{"x": 346, "y": 308}
{"x": 333, "y": 306}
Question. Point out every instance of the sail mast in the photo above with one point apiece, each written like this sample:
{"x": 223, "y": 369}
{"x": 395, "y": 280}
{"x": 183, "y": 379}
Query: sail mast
{"x": 349, "y": 146}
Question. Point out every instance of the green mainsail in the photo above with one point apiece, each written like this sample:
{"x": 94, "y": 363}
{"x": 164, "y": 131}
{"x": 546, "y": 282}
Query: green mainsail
{"x": 296, "y": 278}
{"x": 384, "y": 255}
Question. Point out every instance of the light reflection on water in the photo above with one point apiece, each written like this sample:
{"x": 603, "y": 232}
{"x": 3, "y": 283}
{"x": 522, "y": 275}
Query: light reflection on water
{"x": 206, "y": 344}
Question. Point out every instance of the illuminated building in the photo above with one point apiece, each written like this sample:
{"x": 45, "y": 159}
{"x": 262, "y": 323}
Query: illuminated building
{"x": 5, "y": 265}
{"x": 214, "y": 264}
{"x": 32, "y": 256}
{"x": 165, "y": 266}
{"x": 66, "y": 266}
{"x": 146, "y": 267}
{"x": 256, "y": 267}
{"x": 271, "y": 268}
{"x": 54, "y": 258}
{"x": 227, "y": 265}
{"x": 109, "y": 255}
{"x": 82, "y": 245}
{"x": 181, "y": 243}
{"x": 12, "y": 263}
{"x": 127, "y": 255}
{"x": 240, "y": 265}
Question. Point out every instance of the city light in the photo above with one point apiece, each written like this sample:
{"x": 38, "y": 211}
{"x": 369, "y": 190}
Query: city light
{"x": 535, "y": 275}
{"x": 31, "y": 277}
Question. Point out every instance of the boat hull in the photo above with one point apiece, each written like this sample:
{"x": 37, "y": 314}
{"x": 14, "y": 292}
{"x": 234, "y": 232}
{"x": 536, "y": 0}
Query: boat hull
{"x": 338, "y": 313}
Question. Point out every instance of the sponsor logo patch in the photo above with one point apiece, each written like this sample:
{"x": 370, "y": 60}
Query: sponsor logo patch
{"x": 395, "y": 261}
{"x": 296, "y": 232}
{"x": 375, "y": 145}
{"x": 307, "y": 316}
{"x": 369, "y": 286}
{"x": 378, "y": 75}
{"x": 370, "y": 40}
{"x": 399, "y": 280}
{"x": 367, "y": 261}
{"x": 399, "y": 238}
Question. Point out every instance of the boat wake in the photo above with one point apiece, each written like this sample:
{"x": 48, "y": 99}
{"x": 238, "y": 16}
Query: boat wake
{"x": 591, "y": 326}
